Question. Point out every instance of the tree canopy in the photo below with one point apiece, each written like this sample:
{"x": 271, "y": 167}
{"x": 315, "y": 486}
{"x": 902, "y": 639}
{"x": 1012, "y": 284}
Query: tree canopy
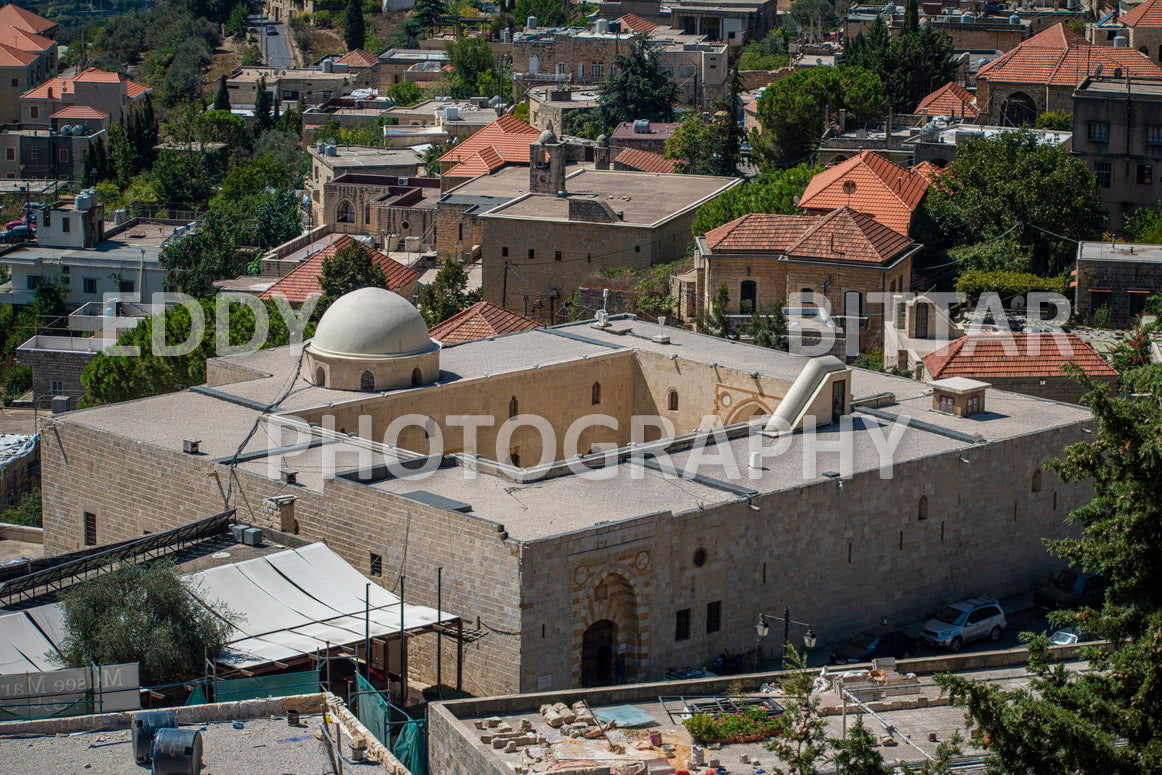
{"x": 793, "y": 112}
{"x": 354, "y": 27}
{"x": 910, "y": 66}
{"x": 350, "y": 269}
{"x": 771, "y": 193}
{"x": 143, "y": 614}
{"x": 447, "y": 294}
{"x": 639, "y": 85}
{"x": 1012, "y": 184}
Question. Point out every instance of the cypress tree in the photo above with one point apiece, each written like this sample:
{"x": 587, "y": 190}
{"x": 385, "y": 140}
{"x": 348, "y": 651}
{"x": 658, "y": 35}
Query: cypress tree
{"x": 354, "y": 29}
{"x": 222, "y": 98}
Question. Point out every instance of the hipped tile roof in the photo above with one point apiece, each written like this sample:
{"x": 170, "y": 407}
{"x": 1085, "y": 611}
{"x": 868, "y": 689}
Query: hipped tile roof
{"x": 504, "y": 141}
{"x": 79, "y": 111}
{"x": 358, "y": 58}
{"x": 983, "y": 356}
{"x": 646, "y": 161}
{"x": 1145, "y": 14}
{"x": 950, "y": 99}
{"x": 842, "y": 235}
{"x": 480, "y": 321}
{"x": 12, "y": 15}
{"x": 888, "y": 192}
{"x": 25, "y": 40}
{"x": 14, "y": 57}
{"x": 303, "y": 280}
{"x": 637, "y": 24}
{"x": 61, "y": 85}
{"x": 1058, "y": 57}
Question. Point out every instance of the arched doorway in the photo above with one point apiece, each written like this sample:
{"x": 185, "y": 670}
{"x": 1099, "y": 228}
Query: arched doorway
{"x": 1018, "y": 109}
{"x": 597, "y": 646}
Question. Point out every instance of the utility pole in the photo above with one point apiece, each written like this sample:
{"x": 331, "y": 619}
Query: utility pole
{"x": 504, "y": 288}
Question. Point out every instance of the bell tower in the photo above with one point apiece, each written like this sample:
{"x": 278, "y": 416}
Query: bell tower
{"x": 547, "y": 164}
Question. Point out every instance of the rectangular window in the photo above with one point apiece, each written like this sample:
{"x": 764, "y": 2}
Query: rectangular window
{"x": 713, "y": 616}
{"x": 56, "y": 387}
{"x": 1154, "y": 134}
{"x": 34, "y": 112}
{"x": 1104, "y": 171}
{"x": 557, "y": 257}
{"x": 596, "y": 71}
{"x": 90, "y": 285}
{"x": 90, "y": 529}
{"x": 32, "y": 282}
{"x": 504, "y": 252}
{"x": 532, "y": 254}
{"x": 580, "y": 71}
{"x": 126, "y": 286}
{"x": 10, "y": 154}
{"x": 1098, "y": 131}
{"x": 63, "y": 154}
{"x": 682, "y": 625}
{"x": 66, "y": 226}
{"x": 15, "y": 83}
{"x": 1145, "y": 174}
{"x": 376, "y": 564}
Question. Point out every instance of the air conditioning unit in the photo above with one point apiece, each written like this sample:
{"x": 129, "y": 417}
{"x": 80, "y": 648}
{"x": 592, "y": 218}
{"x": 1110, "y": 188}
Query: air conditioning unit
{"x": 237, "y": 530}
{"x": 403, "y": 181}
{"x": 252, "y": 536}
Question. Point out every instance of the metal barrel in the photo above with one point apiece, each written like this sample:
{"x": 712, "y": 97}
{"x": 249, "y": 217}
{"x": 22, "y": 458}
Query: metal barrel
{"x": 145, "y": 726}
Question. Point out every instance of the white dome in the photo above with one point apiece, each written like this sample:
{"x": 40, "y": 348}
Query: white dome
{"x": 372, "y": 323}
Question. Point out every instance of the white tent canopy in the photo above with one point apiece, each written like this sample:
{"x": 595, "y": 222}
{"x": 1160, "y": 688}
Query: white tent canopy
{"x": 282, "y": 606}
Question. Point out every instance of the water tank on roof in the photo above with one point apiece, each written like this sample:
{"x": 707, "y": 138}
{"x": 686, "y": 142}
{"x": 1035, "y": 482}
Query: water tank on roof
{"x": 602, "y": 26}
{"x": 145, "y": 729}
{"x": 330, "y": 150}
{"x": 1119, "y": 41}
{"x": 641, "y": 126}
{"x": 177, "y": 752}
{"x": 1014, "y": 19}
{"x": 451, "y": 113}
{"x": 615, "y": 27}
{"x": 531, "y": 23}
{"x": 966, "y": 18}
{"x": 78, "y": 129}
{"x": 506, "y": 36}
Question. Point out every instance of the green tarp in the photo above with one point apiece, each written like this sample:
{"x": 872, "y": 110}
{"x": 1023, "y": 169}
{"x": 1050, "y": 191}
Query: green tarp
{"x": 257, "y": 687}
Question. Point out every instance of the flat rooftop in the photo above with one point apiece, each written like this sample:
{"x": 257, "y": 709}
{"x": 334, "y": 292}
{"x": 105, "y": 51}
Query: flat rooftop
{"x": 537, "y": 509}
{"x": 261, "y": 746}
{"x": 367, "y": 156}
{"x": 271, "y": 74}
{"x": 1120, "y": 87}
{"x": 1130, "y": 252}
{"x": 131, "y": 245}
{"x": 642, "y": 198}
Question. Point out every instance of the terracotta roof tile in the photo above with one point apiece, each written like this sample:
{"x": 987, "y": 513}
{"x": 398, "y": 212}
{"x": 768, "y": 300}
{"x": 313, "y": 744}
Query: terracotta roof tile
{"x": 928, "y": 169}
{"x": 12, "y": 15}
{"x": 1145, "y": 14}
{"x": 25, "y": 40}
{"x": 509, "y": 140}
{"x": 636, "y": 23}
{"x": 358, "y": 58}
{"x": 480, "y": 321}
{"x": 983, "y": 356}
{"x": 79, "y": 111}
{"x": 889, "y": 193}
{"x": 61, "y": 85}
{"x": 14, "y": 57}
{"x": 758, "y": 233}
{"x": 842, "y": 235}
{"x": 1058, "y": 57}
{"x": 303, "y": 280}
{"x": 646, "y": 161}
{"x": 951, "y": 99}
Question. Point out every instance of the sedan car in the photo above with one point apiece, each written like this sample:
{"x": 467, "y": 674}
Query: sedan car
{"x": 967, "y": 620}
{"x": 1071, "y": 589}
{"x": 271, "y": 29}
{"x": 872, "y": 644}
{"x": 17, "y": 234}
{"x": 1070, "y": 636}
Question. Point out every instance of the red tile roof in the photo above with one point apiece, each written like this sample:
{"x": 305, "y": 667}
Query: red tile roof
{"x": 480, "y": 321}
{"x": 842, "y": 235}
{"x": 1145, "y": 14}
{"x": 638, "y": 24}
{"x": 888, "y": 192}
{"x": 928, "y": 169}
{"x": 983, "y": 356}
{"x": 646, "y": 161}
{"x": 79, "y": 111}
{"x": 504, "y": 141}
{"x": 1059, "y": 57}
{"x": 25, "y": 40}
{"x": 951, "y": 99}
{"x": 60, "y": 86}
{"x": 358, "y": 58}
{"x": 12, "y": 15}
{"x": 14, "y": 57}
{"x": 303, "y": 280}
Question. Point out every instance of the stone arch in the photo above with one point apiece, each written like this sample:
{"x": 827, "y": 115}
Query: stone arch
{"x": 747, "y": 410}
{"x": 613, "y": 598}
{"x": 367, "y": 382}
{"x": 1019, "y": 109}
{"x": 345, "y": 212}
{"x": 417, "y": 378}
{"x": 320, "y": 377}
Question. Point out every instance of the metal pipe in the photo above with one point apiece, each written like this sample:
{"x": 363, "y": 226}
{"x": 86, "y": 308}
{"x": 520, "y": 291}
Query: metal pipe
{"x": 367, "y": 632}
{"x": 439, "y": 633}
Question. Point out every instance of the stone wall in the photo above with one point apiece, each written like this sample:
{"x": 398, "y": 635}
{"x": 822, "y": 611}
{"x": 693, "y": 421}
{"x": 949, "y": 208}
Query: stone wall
{"x": 133, "y": 487}
{"x": 63, "y": 366}
{"x": 1119, "y": 277}
{"x": 1056, "y": 388}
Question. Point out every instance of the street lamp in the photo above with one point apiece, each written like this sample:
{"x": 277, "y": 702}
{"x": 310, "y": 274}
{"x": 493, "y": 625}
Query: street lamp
{"x": 762, "y": 629}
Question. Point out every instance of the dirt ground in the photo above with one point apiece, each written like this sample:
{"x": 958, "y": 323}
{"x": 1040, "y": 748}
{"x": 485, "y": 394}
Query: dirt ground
{"x": 225, "y": 60}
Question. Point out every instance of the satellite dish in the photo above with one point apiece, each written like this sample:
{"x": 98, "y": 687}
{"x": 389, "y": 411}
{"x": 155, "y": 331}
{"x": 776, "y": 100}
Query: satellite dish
{"x": 1097, "y": 72}
{"x": 1018, "y": 302}
{"x": 849, "y": 187}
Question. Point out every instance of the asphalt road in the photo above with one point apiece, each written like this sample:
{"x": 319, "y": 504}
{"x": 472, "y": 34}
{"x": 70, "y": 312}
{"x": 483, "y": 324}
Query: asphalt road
{"x": 276, "y": 50}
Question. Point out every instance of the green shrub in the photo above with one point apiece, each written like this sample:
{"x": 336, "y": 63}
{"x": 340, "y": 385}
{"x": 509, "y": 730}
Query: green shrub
{"x": 26, "y": 512}
{"x": 705, "y": 728}
{"x": 1007, "y": 284}
{"x": 1101, "y": 316}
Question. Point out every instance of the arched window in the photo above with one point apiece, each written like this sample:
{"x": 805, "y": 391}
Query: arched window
{"x": 1037, "y": 481}
{"x": 514, "y": 459}
{"x": 320, "y": 377}
{"x": 345, "y": 213}
{"x": 513, "y": 408}
{"x": 596, "y": 393}
{"x": 673, "y": 400}
{"x": 922, "y": 509}
{"x": 366, "y": 381}
{"x": 417, "y": 377}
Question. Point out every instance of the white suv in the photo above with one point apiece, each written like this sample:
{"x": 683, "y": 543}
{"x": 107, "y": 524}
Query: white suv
{"x": 957, "y": 624}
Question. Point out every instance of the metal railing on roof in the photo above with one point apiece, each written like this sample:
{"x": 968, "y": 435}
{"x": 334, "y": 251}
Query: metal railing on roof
{"x": 81, "y": 566}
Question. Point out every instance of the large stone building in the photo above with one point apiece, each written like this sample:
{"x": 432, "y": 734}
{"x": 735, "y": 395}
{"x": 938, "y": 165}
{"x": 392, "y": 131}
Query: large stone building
{"x": 1117, "y": 132}
{"x": 110, "y": 96}
{"x": 1040, "y": 75}
{"x": 555, "y": 569}
{"x": 1117, "y": 275}
{"x": 969, "y": 32}
{"x": 330, "y": 161}
{"x": 28, "y": 56}
{"x": 399, "y": 212}
{"x": 538, "y": 248}
{"x": 842, "y": 256}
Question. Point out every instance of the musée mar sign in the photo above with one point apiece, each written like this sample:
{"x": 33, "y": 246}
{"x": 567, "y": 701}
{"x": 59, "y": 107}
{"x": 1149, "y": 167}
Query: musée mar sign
{"x": 38, "y": 695}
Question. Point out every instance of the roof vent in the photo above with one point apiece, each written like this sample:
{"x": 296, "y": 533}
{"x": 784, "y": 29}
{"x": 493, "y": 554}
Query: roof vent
{"x": 191, "y": 446}
{"x": 290, "y": 477}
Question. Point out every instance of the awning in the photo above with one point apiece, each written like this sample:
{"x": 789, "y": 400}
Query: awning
{"x": 1138, "y": 290}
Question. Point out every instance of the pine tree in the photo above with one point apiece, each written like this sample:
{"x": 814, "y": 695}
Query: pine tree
{"x": 350, "y": 269}
{"x": 354, "y": 28}
{"x": 222, "y": 97}
{"x": 640, "y": 86}
{"x": 911, "y": 18}
{"x": 263, "y": 103}
{"x": 728, "y": 132}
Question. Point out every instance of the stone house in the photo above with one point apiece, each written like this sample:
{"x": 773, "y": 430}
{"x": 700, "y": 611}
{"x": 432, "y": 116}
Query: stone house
{"x": 842, "y": 256}
{"x": 1140, "y": 27}
{"x": 969, "y": 32}
{"x": 868, "y": 183}
{"x": 397, "y": 211}
{"x": 332, "y": 161}
{"x": 1121, "y": 276}
{"x": 1040, "y": 75}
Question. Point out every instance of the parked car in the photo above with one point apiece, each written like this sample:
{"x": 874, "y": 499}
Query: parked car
{"x": 17, "y": 234}
{"x": 687, "y": 673}
{"x": 271, "y": 29}
{"x": 14, "y": 224}
{"x": 882, "y": 641}
{"x": 1070, "y": 636}
{"x": 967, "y": 620}
{"x": 1071, "y": 589}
